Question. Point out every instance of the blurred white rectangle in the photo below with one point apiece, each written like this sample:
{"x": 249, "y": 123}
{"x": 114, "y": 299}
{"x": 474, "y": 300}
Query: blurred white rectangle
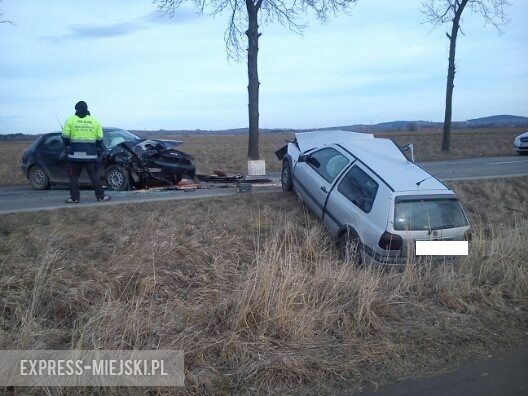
{"x": 442, "y": 248}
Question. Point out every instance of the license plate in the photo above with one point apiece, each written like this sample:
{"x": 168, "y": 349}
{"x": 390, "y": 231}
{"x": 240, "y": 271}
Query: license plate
{"x": 154, "y": 170}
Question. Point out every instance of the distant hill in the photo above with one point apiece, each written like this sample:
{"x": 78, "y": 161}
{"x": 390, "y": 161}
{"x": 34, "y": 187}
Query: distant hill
{"x": 387, "y": 126}
{"x": 496, "y": 121}
{"x": 194, "y": 132}
{"x": 15, "y": 137}
{"x": 502, "y": 120}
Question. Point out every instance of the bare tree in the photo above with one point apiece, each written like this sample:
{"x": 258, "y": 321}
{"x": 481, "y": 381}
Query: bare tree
{"x": 244, "y": 19}
{"x": 4, "y": 20}
{"x": 438, "y": 12}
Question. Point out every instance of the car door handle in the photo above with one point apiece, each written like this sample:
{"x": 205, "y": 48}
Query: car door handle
{"x": 323, "y": 189}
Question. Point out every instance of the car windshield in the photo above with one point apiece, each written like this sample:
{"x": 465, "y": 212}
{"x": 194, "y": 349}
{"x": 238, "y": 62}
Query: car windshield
{"x": 115, "y": 136}
{"x": 428, "y": 214}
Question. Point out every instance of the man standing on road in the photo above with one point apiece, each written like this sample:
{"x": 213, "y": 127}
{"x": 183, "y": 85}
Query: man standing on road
{"x": 83, "y": 138}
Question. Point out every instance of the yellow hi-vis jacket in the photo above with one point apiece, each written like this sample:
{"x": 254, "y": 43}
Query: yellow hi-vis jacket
{"x": 82, "y": 136}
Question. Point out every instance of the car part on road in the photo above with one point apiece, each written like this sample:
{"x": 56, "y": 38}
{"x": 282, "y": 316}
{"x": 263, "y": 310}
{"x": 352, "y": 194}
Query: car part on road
{"x": 242, "y": 187}
{"x": 220, "y": 179}
{"x": 38, "y": 178}
{"x": 177, "y": 178}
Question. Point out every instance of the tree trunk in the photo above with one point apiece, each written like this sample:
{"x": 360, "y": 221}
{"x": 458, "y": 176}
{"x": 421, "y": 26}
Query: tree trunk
{"x": 253, "y": 85}
{"x": 446, "y": 137}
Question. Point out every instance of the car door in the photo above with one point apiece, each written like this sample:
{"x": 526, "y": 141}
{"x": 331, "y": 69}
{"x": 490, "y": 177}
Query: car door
{"x": 314, "y": 175}
{"x": 52, "y": 157}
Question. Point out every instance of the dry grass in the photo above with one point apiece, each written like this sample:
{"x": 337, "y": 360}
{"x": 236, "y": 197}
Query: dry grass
{"x": 251, "y": 289}
{"x": 228, "y": 152}
{"x": 11, "y": 155}
{"x": 465, "y": 143}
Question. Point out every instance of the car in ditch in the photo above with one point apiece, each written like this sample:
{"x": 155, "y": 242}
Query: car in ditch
{"x": 521, "y": 143}
{"x": 127, "y": 161}
{"x": 375, "y": 200}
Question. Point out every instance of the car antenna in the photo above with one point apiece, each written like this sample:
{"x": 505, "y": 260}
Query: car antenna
{"x": 427, "y": 178}
{"x": 57, "y": 117}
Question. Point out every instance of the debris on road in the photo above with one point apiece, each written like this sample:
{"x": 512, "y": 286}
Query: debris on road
{"x": 243, "y": 187}
{"x": 219, "y": 177}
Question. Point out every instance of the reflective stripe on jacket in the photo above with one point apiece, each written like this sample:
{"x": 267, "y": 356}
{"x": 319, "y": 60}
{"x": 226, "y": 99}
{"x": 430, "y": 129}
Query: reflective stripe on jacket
{"x": 82, "y": 136}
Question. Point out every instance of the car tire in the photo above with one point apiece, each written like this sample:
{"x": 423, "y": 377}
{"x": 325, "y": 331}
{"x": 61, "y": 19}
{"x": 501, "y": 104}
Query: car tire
{"x": 522, "y": 152}
{"x": 38, "y": 178}
{"x": 350, "y": 248}
{"x": 117, "y": 178}
{"x": 286, "y": 176}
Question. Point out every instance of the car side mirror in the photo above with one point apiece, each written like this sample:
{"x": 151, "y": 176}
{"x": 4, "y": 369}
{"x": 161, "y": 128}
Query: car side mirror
{"x": 303, "y": 158}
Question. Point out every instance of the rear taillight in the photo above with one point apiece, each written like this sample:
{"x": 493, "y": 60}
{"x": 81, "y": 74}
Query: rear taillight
{"x": 390, "y": 241}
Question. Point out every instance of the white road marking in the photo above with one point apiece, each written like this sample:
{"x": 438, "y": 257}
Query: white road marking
{"x": 506, "y": 162}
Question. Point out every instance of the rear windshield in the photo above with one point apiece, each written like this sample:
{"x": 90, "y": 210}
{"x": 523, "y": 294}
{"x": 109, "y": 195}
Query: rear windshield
{"x": 428, "y": 214}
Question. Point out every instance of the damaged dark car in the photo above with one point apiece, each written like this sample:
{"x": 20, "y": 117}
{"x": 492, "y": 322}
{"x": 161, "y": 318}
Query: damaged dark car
{"x": 126, "y": 162}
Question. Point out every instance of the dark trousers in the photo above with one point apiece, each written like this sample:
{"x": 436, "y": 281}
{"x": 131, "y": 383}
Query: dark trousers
{"x": 74, "y": 171}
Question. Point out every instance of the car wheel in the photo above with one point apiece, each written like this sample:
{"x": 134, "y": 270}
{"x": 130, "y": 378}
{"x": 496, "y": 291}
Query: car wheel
{"x": 39, "y": 178}
{"x": 286, "y": 176}
{"x": 117, "y": 178}
{"x": 350, "y": 248}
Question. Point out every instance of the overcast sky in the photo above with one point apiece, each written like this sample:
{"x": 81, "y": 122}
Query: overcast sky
{"x": 139, "y": 71}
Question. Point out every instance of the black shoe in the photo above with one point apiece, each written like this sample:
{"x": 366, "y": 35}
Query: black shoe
{"x": 70, "y": 200}
{"x": 105, "y": 198}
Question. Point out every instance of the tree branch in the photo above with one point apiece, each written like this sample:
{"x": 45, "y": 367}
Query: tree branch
{"x": 438, "y": 12}
{"x": 285, "y": 12}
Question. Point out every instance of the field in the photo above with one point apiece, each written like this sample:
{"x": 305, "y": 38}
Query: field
{"x": 228, "y": 153}
{"x": 250, "y": 287}
{"x": 11, "y": 154}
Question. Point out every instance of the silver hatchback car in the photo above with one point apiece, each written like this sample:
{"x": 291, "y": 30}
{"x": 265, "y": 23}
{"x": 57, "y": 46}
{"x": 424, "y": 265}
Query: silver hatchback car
{"x": 521, "y": 143}
{"x": 369, "y": 195}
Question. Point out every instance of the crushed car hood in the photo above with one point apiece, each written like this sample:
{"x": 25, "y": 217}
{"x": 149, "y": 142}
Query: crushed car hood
{"x": 150, "y": 147}
{"x": 309, "y": 140}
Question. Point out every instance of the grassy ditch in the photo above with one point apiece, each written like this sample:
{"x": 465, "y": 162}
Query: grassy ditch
{"x": 250, "y": 287}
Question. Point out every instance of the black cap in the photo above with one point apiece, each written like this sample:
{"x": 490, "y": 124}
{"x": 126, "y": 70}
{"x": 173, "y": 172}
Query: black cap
{"x": 81, "y": 106}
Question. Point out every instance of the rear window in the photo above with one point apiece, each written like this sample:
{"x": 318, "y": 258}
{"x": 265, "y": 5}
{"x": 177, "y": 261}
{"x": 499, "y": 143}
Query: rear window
{"x": 428, "y": 214}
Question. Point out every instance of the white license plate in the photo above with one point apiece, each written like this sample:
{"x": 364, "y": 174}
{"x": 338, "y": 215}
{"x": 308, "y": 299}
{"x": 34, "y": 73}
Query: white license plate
{"x": 154, "y": 170}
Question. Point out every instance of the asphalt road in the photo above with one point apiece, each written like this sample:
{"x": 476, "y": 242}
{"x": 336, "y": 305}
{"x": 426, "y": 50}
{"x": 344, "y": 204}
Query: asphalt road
{"x": 25, "y": 199}
{"x": 504, "y": 374}
{"x": 478, "y": 168}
